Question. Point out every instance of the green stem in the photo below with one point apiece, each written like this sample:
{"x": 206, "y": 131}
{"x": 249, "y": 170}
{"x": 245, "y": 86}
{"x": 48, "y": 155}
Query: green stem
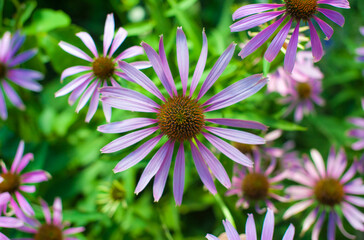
{"x": 225, "y": 210}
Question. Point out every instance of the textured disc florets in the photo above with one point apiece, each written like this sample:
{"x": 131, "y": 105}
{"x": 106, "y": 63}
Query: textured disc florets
{"x": 49, "y": 232}
{"x": 181, "y": 118}
{"x": 301, "y": 9}
{"x": 10, "y": 183}
{"x": 255, "y": 186}
{"x": 103, "y": 67}
{"x": 304, "y": 90}
{"x": 329, "y": 191}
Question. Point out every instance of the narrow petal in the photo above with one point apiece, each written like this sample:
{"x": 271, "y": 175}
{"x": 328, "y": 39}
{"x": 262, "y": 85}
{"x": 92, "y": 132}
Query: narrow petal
{"x": 238, "y": 123}
{"x": 355, "y": 200}
{"x": 106, "y": 107}
{"x": 94, "y": 103}
{"x": 254, "y": 20}
{"x": 108, "y": 32}
{"x": 120, "y": 36}
{"x": 167, "y": 70}
{"x": 128, "y": 140}
{"x": 333, "y": 16}
{"x": 22, "y": 57}
{"x": 74, "y": 230}
{"x": 353, "y": 211}
{"x": 77, "y": 92}
{"x": 57, "y": 211}
{"x": 289, "y": 234}
{"x": 89, "y": 42}
{"x": 35, "y": 176}
{"x": 268, "y": 225}
{"x": 75, "y": 51}
{"x": 326, "y": 28}
{"x": 341, "y": 227}
{"x": 309, "y": 220}
{"x": 319, "y": 162}
{"x": 27, "y": 188}
{"x": 18, "y": 156}
{"x": 182, "y": 58}
{"x": 250, "y": 229}
{"x": 335, "y": 3}
{"x": 231, "y": 232}
{"x": 179, "y": 175}
{"x": 130, "y": 52}
{"x": 277, "y": 43}
{"x": 46, "y": 212}
{"x": 200, "y": 64}
{"x": 317, "y": 51}
{"x": 290, "y": 58}
{"x": 349, "y": 174}
{"x": 296, "y": 208}
{"x": 73, "y": 85}
{"x": 24, "y": 205}
{"x": 3, "y": 110}
{"x": 331, "y": 226}
{"x": 254, "y": 8}
{"x": 236, "y": 135}
{"x": 9, "y": 222}
{"x": 87, "y": 95}
{"x": 208, "y": 236}
{"x": 126, "y": 125}
{"x": 354, "y": 189}
{"x": 128, "y": 104}
{"x": 74, "y": 70}
{"x": 317, "y": 228}
{"x": 4, "y": 198}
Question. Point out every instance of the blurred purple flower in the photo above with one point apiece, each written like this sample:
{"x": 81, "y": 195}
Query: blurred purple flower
{"x": 9, "y": 73}
{"x": 54, "y": 227}
{"x": 360, "y": 51}
{"x": 357, "y": 133}
{"x": 250, "y": 229}
{"x": 256, "y": 184}
{"x": 12, "y": 183}
{"x": 180, "y": 118}
{"x": 327, "y": 190}
{"x": 293, "y": 11}
{"x": 102, "y": 68}
{"x": 9, "y": 222}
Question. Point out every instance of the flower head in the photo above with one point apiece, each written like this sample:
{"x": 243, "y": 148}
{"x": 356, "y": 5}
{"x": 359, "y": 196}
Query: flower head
{"x": 290, "y": 12}
{"x": 53, "y": 228}
{"x": 250, "y": 229}
{"x": 111, "y": 197}
{"x": 358, "y": 133}
{"x": 101, "y": 71}
{"x": 180, "y": 118}
{"x": 10, "y": 74}
{"x": 327, "y": 189}
{"x": 12, "y": 183}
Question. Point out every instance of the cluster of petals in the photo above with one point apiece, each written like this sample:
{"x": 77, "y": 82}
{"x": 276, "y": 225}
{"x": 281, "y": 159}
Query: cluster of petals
{"x": 360, "y": 51}
{"x": 250, "y": 229}
{"x": 9, "y": 222}
{"x": 25, "y": 181}
{"x": 352, "y": 188}
{"x": 203, "y": 158}
{"x": 254, "y": 15}
{"x": 358, "y": 132}
{"x": 11, "y": 74}
{"x": 87, "y": 83}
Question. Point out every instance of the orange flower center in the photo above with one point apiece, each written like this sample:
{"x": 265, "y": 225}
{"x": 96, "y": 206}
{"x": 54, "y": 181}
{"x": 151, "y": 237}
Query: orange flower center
{"x": 103, "y": 67}
{"x": 10, "y": 183}
{"x": 329, "y": 191}
{"x": 255, "y": 186}
{"x": 301, "y": 9}
{"x": 304, "y": 90}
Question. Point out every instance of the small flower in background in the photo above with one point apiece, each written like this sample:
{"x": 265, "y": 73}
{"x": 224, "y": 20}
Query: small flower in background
{"x": 357, "y": 133}
{"x": 291, "y": 11}
{"x": 327, "y": 190}
{"x": 251, "y": 232}
{"x": 12, "y": 183}
{"x": 9, "y": 222}
{"x": 180, "y": 118}
{"x": 360, "y": 51}
{"x": 103, "y": 68}
{"x": 111, "y": 197}
{"x": 53, "y": 228}
{"x": 9, "y": 73}
{"x": 254, "y": 185}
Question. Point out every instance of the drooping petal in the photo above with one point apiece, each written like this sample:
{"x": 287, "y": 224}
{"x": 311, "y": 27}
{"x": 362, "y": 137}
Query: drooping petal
{"x": 24, "y": 205}
{"x": 254, "y": 20}
{"x": 277, "y": 43}
{"x": 309, "y": 220}
{"x": 35, "y": 176}
{"x": 326, "y": 28}
{"x": 3, "y": 110}
{"x": 108, "y": 32}
{"x": 75, "y": 51}
{"x": 73, "y": 85}
{"x": 89, "y": 42}
{"x": 200, "y": 64}
{"x": 126, "y": 125}
{"x": 296, "y": 208}
{"x": 238, "y": 123}
{"x": 317, "y": 228}
{"x": 120, "y": 36}
{"x": 94, "y": 103}
{"x": 182, "y": 58}
{"x": 290, "y": 58}
{"x": 236, "y": 135}
{"x": 254, "y": 8}
{"x": 87, "y": 95}
{"x": 333, "y": 16}
{"x": 317, "y": 51}
{"x": 77, "y": 92}
{"x": 179, "y": 175}
{"x": 74, "y": 70}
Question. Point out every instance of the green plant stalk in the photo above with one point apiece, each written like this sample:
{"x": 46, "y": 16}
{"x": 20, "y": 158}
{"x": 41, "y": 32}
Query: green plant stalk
{"x": 225, "y": 210}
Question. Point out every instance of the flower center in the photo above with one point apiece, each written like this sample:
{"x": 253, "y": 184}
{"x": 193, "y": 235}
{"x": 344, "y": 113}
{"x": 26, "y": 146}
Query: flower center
{"x": 304, "y": 90}
{"x": 181, "y": 118}
{"x": 117, "y": 192}
{"x": 329, "y": 191}
{"x": 10, "y": 183}
{"x": 49, "y": 232}
{"x": 301, "y": 9}
{"x": 255, "y": 186}
{"x": 103, "y": 67}
{"x": 2, "y": 71}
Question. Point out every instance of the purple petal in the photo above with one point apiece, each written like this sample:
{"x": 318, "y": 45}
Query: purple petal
{"x": 359, "y": 201}
{"x": 94, "y": 103}
{"x": 298, "y": 207}
{"x": 202, "y": 169}
{"x": 250, "y": 229}
{"x": 309, "y": 220}
{"x": 319, "y": 162}
{"x": 73, "y": 85}
{"x": 106, "y": 107}
{"x": 75, "y": 51}
{"x": 35, "y": 176}
{"x": 238, "y": 123}
{"x": 166, "y": 69}
{"x": 5, "y": 49}
{"x": 277, "y": 43}
{"x": 86, "y": 95}
{"x": 182, "y": 58}
{"x": 333, "y": 16}
{"x": 128, "y": 140}
{"x": 89, "y": 42}
{"x": 21, "y": 79}
{"x": 9, "y": 222}
{"x": 74, "y": 230}
{"x": 108, "y": 32}
{"x": 290, "y": 58}
{"x": 22, "y": 57}
{"x": 326, "y": 28}
{"x": 138, "y": 155}
{"x": 24, "y": 205}
{"x": 341, "y": 227}
{"x": 217, "y": 70}
{"x": 200, "y": 64}
{"x": 254, "y": 20}
{"x": 141, "y": 64}
{"x": 331, "y": 226}
{"x": 289, "y": 234}
{"x": 254, "y": 8}
{"x": 78, "y": 91}
{"x": 231, "y": 232}
{"x": 74, "y": 70}
{"x": 4, "y": 198}
{"x": 46, "y": 212}
{"x": 130, "y": 52}
{"x": 179, "y": 175}
{"x": 57, "y": 211}
{"x": 317, "y": 228}
{"x": 128, "y": 104}
{"x": 120, "y": 36}
{"x": 317, "y": 51}
{"x": 27, "y": 188}
{"x": 228, "y": 150}
{"x": 18, "y": 156}
{"x": 208, "y": 236}
{"x": 268, "y": 225}
{"x": 162, "y": 174}
{"x": 236, "y": 135}
{"x": 349, "y": 174}
{"x": 126, "y": 125}
{"x": 335, "y": 3}
{"x": 3, "y": 110}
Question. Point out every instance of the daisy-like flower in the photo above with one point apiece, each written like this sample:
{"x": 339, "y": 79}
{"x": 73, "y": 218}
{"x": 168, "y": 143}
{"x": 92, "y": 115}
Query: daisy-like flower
{"x": 12, "y": 183}
{"x": 359, "y": 132}
{"x": 254, "y": 185}
{"x": 111, "y": 197}
{"x": 250, "y": 229}
{"x": 9, "y": 222}
{"x": 327, "y": 190}
{"x": 180, "y": 118}
{"x": 11, "y": 74}
{"x": 53, "y": 228}
{"x": 289, "y": 13}
{"x": 101, "y": 71}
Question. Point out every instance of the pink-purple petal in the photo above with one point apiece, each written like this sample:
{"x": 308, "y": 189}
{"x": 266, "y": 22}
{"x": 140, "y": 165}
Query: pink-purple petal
{"x": 35, "y": 176}
{"x": 109, "y": 30}
{"x": 75, "y": 51}
{"x": 89, "y": 42}
{"x": 268, "y": 225}
{"x": 130, "y": 52}
{"x": 254, "y": 20}
{"x": 333, "y": 16}
{"x": 73, "y": 85}
{"x": 277, "y": 43}
{"x": 126, "y": 125}
{"x": 254, "y": 8}
{"x": 166, "y": 69}
{"x": 250, "y": 229}
{"x": 298, "y": 207}
{"x": 87, "y": 95}
{"x": 18, "y": 156}
{"x": 24, "y": 204}
{"x": 326, "y": 28}
{"x": 290, "y": 58}
{"x": 120, "y": 36}
{"x": 22, "y": 57}
{"x": 182, "y": 58}
{"x": 74, "y": 70}
{"x": 57, "y": 211}
{"x": 94, "y": 103}
{"x": 179, "y": 175}
{"x": 236, "y": 135}
{"x": 317, "y": 51}
{"x": 237, "y": 123}
{"x": 46, "y": 212}
{"x": 200, "y": 64}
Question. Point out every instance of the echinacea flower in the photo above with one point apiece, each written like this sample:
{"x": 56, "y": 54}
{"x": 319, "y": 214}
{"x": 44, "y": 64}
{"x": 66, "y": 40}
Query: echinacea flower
{"x": 180, "y": 118}
{"x": 101, "y": 71}
{"x": 12, "y": 183}
{"x": 327, "y": 190}
{"x": 11, "y": 74}
{"x": 9, "y": 222}
{"x": 250, "y": 229}
{"x": 290, "y": 12}
{"x": 53, "y": 228}
{"x": 359, "y": 132}
{"x": 254, "y": 185}
{"x": 111, "y": 197}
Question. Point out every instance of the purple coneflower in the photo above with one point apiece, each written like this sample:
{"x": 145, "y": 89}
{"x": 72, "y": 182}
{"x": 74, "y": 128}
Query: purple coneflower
{"x": 251, "y": 232}
{"x": 9, "y": 73}
{"x": 253, "y": 185}
{"x": 9, "y": 222}
{"x": 53, "y": 227}
{"x": 101, "y": 69}
{"x": 298, "y": 11}
{"x": 12, "y": 183}
{"x": 360, "y": 51}
{"x": 327, "y": 190}
{"x": 180, "y": 118}
{"x": 358, "y": 133}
